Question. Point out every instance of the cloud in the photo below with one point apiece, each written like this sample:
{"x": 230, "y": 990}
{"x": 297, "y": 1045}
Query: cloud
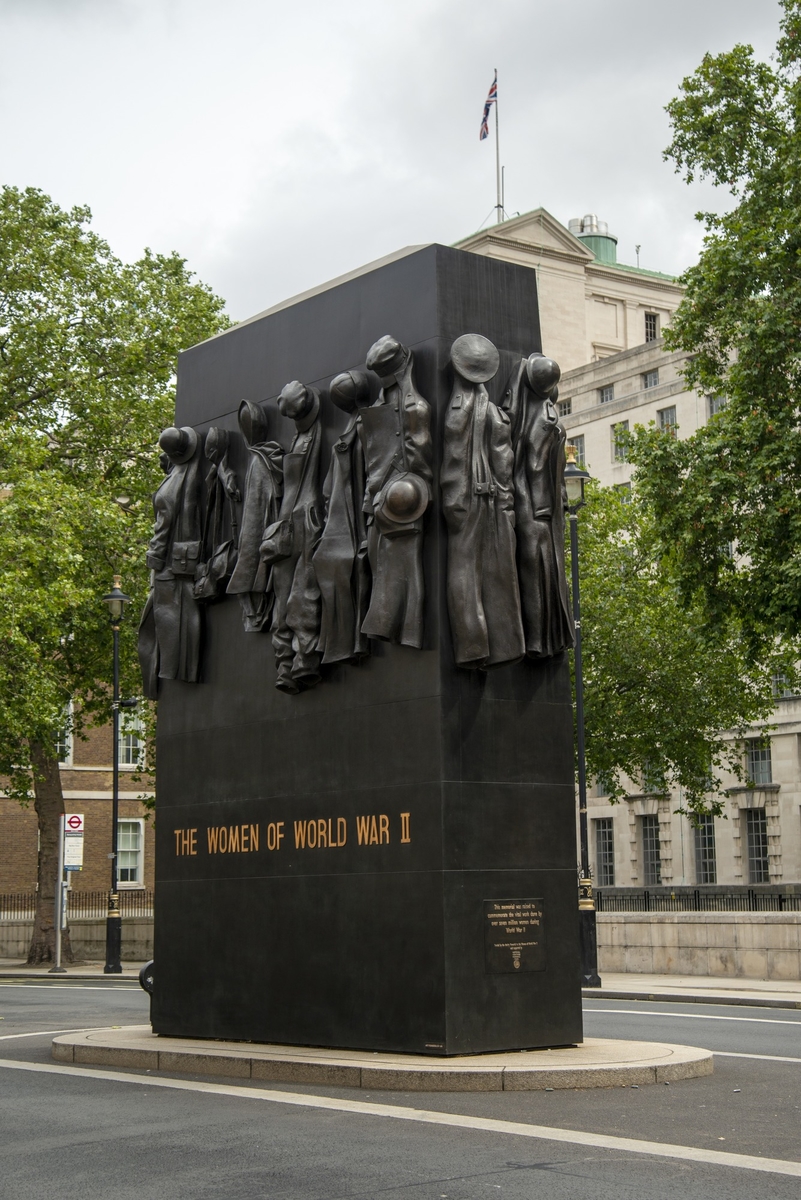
{"x": 276, "y": 145}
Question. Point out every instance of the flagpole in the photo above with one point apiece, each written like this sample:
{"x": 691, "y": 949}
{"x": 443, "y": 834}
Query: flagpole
{"x": 499, "y": 204}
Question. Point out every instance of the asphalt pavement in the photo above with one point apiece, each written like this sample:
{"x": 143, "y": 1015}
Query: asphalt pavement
{"x": 72, "y": 1132}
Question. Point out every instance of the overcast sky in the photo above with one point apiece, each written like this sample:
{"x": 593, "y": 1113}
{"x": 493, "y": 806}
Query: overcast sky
{"x": 278, "y": 144}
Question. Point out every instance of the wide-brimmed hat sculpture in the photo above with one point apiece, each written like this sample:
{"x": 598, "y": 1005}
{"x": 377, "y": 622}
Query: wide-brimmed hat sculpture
{"x": 179, "y": 444}
{"x": 475, "y": 358}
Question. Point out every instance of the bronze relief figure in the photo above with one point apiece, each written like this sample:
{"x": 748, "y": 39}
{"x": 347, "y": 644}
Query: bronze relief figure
{"x": 396, "y": 434}
{"x": 477, "y": 485}
{"x": 169, "y": 631}
{"x": 340, "y": 560}
{"x": 539, "y": 444}
{"x": 222, "y": 492}
{"x": 263, "y": 489}
{"x": 288, "y": 546}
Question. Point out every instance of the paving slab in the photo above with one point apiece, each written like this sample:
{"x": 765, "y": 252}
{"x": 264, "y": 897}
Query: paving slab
{"x": 596, "y": 1062}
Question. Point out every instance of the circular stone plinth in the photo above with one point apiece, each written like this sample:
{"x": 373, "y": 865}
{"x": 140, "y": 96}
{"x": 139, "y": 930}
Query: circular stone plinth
{"x": 597, "y": 1062}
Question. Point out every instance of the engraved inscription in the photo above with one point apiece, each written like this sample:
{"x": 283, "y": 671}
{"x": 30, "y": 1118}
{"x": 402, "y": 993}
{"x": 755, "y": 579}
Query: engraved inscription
{"x": 514, "y": 936}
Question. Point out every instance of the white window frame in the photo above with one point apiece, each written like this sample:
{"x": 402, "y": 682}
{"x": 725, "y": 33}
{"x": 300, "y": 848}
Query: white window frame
{"x": 139, "y": 883}
{"x": 131, "y": 725}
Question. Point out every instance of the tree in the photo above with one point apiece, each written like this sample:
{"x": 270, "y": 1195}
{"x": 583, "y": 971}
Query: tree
{"x": 735, "y": 483}
{"x": 88, "y": 349}
{"x": 668, "y": 697}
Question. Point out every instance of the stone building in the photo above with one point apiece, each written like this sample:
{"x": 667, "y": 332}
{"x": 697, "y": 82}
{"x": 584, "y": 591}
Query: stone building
{"x": 602, "y": 321}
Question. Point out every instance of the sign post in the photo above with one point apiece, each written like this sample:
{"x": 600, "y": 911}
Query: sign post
{"x": 58, "y": 903}
{"x": 70, "y": 858}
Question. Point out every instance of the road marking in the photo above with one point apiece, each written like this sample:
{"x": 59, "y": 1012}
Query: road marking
{"x": 638, "y": 1012}
{"x": 10, "y": 1037}
{"x": 575, "y": 1137}
{"x": 74, "y": 987}
{"x": 761, "y": 1057}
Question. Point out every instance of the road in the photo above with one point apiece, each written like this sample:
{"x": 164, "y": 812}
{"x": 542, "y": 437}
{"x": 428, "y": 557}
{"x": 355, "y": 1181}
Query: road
{"x": 118, "y": 1134}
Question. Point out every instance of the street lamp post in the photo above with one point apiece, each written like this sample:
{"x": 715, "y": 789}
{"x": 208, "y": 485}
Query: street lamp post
{"x": 575, "y": 479}
{"x": 116, "y": 601}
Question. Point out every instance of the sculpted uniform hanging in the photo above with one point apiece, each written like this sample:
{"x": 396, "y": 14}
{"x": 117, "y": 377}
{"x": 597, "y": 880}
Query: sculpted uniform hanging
{"x": 398, "y": 455}
{"x": 540, "y": 501}
{"x": 169, "y": 631}
{"x": 477, "y": 487}
{"x": 340, "y": 560}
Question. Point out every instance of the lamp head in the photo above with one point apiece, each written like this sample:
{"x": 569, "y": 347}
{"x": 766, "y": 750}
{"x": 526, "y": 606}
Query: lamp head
{"x": 575, "y": 479}
{"x": 116, "y": 601}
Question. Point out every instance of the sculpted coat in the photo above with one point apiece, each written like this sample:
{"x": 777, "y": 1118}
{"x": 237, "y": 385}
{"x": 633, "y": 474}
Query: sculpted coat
{"x": 396, "y": 435}
{"x": 340, "y": 560}
{"x": 289, "y": 545}
{"x": 539, "y": 444}
{"x": 476, "y": 481}
{"x": 169, "y": 631}
{"x": 263, "y": 489}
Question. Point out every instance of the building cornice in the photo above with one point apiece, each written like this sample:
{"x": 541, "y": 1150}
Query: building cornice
{"x": 535, "y": 249}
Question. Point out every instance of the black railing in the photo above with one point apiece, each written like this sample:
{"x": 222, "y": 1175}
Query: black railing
{"x": 21, "y": 906}
{"x": 769, "y": 898}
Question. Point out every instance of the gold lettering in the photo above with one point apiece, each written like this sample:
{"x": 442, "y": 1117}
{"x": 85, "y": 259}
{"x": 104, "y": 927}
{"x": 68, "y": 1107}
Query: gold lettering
{"x": 331, "y": 841}
{"x": 279, "y": 829}
{"x": 254, "y": 837}
{"x": 233, "y": 839}
{"x": 178, "y": 841}
{"x": 405, "y": 833}
{"x": 212, "y": 836}
{"x": 322, "y": 832}
{"x": 362, "y": 830}
{"x": 300, "y": 835}
{"x": 243, "y": 835}
{"x": 383, "y": 828}
{"x": 373, "y": 831}
{"x": 311, "y": 828}
{"x": 193, "y": 841}
{"x": 223, "y": 840}
{"x": 342, "y": 831}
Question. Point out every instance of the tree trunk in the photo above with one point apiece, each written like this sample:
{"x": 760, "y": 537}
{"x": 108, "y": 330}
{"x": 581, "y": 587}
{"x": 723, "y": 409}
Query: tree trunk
{"x": 49, "y": 805}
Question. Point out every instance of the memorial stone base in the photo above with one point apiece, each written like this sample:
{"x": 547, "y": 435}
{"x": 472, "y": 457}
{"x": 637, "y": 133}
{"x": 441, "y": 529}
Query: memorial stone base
{"x": 386, "y": 861}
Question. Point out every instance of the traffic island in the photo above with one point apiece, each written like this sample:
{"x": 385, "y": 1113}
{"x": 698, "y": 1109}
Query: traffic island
{"x": 596, "y": 1062}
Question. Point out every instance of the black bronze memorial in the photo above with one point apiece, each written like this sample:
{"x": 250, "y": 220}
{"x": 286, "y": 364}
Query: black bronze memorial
{"x": 385, "y": 860}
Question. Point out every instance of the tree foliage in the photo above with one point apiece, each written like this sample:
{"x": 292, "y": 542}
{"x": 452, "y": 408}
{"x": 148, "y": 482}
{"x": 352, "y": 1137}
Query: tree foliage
{"x": 737, "y": 481}
{"x": 668, "y": 697}
{"x": 88, "y": 349}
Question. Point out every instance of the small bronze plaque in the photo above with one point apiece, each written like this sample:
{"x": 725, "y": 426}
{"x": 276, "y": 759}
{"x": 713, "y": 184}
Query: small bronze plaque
{"x": 514, "y": 936}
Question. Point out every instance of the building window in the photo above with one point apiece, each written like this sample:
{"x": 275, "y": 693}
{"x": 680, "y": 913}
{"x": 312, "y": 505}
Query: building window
{"x": 606, "y": 394}
{"x": 650, "y": 379}
{"x": 782, "y": 687}
{"x": 64, "y": 739}
{"x": 605, "y": 852}
{"x": 667, "y": 420}
{"x": 705, "y": 865}
{"x": 578, "y": 445}
{"x": 715, "y": 404}
{"x": 565, "y": 407}
{"x": 620, "y": 442}
{"x": 130, "y": 853}
{"x": 651, "y": 856}
{"x": 759, "y": 767}
{"x": 624, "y": 492}
{"x": 756, "y": 836}
{"x": 132, "y": 744}
{"x": 651, "y": 327}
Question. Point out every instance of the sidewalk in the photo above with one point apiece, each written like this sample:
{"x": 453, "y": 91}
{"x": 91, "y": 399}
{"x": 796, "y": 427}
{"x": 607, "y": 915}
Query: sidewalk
{"x": 12, "y": 968}
{"x": 698, "y": 989}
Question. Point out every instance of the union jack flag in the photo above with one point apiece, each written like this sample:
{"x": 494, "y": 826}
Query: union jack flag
{"x": 492, "y": 98}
